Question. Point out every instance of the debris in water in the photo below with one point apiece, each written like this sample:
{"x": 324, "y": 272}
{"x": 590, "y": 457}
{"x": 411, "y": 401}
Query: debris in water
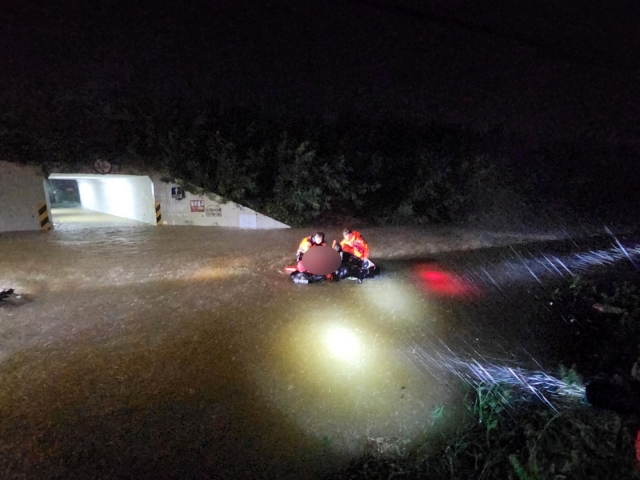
{"x": 6, "y": 293}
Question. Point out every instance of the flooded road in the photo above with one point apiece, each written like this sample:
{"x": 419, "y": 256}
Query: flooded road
{"x": 186, "y": 352}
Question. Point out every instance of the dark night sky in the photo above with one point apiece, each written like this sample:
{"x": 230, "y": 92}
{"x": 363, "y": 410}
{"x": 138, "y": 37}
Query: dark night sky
{"x": 543, "y": 68}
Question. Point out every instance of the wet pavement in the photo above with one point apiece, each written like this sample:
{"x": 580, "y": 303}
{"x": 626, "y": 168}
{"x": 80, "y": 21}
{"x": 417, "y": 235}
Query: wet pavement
{"x": 186, "y": 352}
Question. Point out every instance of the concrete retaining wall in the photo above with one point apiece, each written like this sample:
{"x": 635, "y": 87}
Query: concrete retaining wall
{"x": 208, "y": 210}
{"x": 21, "y": 194}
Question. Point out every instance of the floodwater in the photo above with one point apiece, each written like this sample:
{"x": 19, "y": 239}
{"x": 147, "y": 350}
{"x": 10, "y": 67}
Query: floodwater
{"x": 186, "y": 352}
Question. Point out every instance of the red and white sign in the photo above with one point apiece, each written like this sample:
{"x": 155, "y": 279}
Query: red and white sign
{"x": 197, "y": 205}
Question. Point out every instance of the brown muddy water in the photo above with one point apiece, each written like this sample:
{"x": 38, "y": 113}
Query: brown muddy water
{"x": 186, "y": 352}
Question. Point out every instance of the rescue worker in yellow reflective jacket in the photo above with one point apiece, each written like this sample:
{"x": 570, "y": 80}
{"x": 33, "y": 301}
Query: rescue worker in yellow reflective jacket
{"x": 316, "y": 240}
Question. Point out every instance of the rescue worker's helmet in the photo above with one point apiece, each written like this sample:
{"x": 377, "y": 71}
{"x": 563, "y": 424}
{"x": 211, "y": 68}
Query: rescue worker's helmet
{"x": 318, "y": 237}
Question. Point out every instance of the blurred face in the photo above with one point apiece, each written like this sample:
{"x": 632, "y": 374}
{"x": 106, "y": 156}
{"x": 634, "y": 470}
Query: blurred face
{"x": 318, "y": 239}
{"x": 347, "y": 236}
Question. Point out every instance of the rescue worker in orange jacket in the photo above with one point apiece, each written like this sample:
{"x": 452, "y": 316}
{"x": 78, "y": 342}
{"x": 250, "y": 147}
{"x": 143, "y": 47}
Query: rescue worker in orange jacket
{"x": 354, "y": 244}
{"x": 316, "y": 240}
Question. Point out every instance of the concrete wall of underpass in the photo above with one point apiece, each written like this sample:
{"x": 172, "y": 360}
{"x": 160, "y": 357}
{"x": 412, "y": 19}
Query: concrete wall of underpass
{"x": 21, "y": 194}
{"x": 126, "y": 196}
{"x": 207, "y": 210}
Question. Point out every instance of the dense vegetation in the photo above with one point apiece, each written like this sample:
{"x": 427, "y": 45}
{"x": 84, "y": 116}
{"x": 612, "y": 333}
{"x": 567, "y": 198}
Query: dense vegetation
{"x": 301, "y": 170}
{"x": 291, "y": 173}
{"x": 179, "y": 88}
{"x": 497, "y": 433}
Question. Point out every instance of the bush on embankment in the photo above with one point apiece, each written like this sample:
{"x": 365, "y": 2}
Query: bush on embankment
{"x": 497, "y": 432}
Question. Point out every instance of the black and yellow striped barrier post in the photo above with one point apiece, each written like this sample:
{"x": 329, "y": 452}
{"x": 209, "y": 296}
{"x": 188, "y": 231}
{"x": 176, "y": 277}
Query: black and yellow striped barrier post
{"x": 158, "y": 214}
{"x": 43, "y": 217}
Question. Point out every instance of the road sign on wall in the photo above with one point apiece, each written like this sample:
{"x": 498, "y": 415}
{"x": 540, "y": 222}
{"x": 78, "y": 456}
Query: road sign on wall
{"x": 177, "y": 193}
{"x": 214, "y": 211}
{"x": 197, "y": 205}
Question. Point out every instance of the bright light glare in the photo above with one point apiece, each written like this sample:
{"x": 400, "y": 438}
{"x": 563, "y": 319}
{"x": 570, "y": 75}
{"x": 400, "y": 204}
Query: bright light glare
{"x": 343, "y": 344}
{"x": 113, "y": 196}
{"x": 127, "y": 196}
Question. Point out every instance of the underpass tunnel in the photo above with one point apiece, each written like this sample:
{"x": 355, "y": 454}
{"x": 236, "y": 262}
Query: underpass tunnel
{"x": 100, "y": 200}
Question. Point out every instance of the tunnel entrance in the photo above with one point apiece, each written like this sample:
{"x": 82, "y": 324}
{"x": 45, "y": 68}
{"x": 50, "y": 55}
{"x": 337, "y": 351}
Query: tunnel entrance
{"x": 92, "y": 200}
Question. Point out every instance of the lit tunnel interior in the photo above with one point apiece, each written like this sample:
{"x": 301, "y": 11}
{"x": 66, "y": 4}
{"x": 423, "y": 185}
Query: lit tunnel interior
{"x": 101, "y": 199}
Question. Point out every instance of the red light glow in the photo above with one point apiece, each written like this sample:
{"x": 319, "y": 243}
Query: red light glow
{"x": 442, "y": 283}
